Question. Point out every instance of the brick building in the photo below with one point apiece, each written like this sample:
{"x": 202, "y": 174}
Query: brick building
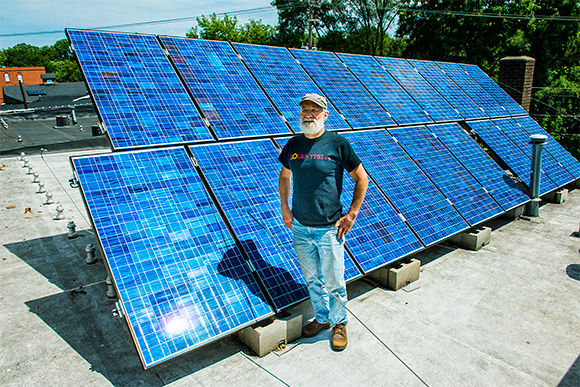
{"x": 9, "y": 76}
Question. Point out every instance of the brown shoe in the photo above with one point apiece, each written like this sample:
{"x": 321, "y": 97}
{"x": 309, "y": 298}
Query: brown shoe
{"x": 339, "y": 340}
{"x": 313, "y": 328}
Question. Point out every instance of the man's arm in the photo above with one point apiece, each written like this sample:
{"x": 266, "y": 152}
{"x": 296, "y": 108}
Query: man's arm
{"x": 361, "y": 180}
{"x": 284, "y": 189}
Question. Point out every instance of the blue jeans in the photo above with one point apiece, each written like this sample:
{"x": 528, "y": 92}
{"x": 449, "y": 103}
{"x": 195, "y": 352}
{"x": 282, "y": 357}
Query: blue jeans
{"x": 321, "y": 257}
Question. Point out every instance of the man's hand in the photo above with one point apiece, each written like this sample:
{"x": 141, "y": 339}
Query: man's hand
{"x": 287, "y": 216}
{"x": 344, "y": 224}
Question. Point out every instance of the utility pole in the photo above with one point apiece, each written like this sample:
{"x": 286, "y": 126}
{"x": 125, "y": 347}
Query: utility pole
{"x": 311, "y": 21}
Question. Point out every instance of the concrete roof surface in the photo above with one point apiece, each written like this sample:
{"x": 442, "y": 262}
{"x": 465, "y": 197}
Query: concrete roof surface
{"x": 506, "y": 315}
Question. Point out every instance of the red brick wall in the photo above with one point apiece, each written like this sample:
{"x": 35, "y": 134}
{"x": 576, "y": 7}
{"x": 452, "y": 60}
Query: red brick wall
{"x": 30, "y": 76}
{"x": 517, "y": 72}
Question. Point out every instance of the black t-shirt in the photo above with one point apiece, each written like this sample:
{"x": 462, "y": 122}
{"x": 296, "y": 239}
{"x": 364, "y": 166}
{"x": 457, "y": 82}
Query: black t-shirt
{"x": 317, "y": 167}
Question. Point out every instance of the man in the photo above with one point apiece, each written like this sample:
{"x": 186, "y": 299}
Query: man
{"x": 316, "y": 160}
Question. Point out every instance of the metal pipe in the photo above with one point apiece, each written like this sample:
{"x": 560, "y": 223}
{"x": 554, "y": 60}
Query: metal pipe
{"x": 537, "y": 141}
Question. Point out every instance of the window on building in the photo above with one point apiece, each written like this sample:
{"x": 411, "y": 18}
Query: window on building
{"x": 6, "y": 77}
{"x": 19, "y": 76}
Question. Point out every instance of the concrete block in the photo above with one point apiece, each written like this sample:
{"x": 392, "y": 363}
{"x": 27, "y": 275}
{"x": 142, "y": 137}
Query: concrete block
{"x": 576, "y": 183}
{"x": 396, "y": 278}
{"x": 473, "y": 240}
{"x": 264, "y": 337}
{"x": 293, "y": 323}
{"x": 558, "y": 197}
{"x": 514, "y": 213}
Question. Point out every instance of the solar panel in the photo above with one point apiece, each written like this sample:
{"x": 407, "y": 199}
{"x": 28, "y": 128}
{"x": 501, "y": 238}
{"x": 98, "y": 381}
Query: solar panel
{"x": 227, "y": 94}
{"x": 554, "y": 170}
{"x": 411, "y": 192}
{"x": 551, "y": 146}
{"x": 138, "y": 95}
{"x": 499, "y": 185}
{"x": 351, "y": 271}
{"x": 358, "y": 107}
{"x": 494, "y": 90}
{"x": 379, "y": 235}
{"x": 473, "y": 89}
{"x": 431, "y": 101}
{"x": 285, "y": 81}
{"x": 244, "y": 178}
{"x": 180, "y": 278}
{"x": 454, "y": 181}
{"x": 394, "y": 99}
{"x": 514, "y": 158}
{"x": 449, "y": 89}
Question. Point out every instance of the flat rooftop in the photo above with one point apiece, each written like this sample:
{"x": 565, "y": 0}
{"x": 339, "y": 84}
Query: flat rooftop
{"x": 506, "y": 315}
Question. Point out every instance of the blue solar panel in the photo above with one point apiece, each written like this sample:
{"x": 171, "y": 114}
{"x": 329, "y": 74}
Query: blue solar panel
{"x": 449, "y": 89}
{"x": 464, "y": 192}
{"x": 394, "y": 99}
{"x": 181, "y": 280}
{"x": 494, "y": 90}
{"x": 358, "y": 107}
{"x": 379, "y": 235}
{"x": 412, "y": 193}
{"x": 433, "y": 103}
{"x": 551, "y": 167}
{"x": 285, "y": 81}
{"x": 499, "y": 185}
{"x": 473, "y": 89}
{"x": 244, "y": 178}
{"x": 551, "y": 146}
{"x": 514, "y": 158}
{"x": 227, "y": 94}
{"x": 138, "y": 95}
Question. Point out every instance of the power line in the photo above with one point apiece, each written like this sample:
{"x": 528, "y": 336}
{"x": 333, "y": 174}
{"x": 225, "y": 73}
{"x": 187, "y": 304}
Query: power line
{"x": 494, "y": 15}
{"x": 153, "y": 22}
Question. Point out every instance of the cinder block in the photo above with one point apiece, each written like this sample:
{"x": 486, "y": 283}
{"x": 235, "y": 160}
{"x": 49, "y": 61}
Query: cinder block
{"x": 577, "y": 183}
{"x": 558, "y": 197}
{"x": 293, "y": 326}
{"x": 396, "y": 278}
{"x": 473, "y": 240}
{"x": 264, "y": 337}
{"x": 514, "y": 213}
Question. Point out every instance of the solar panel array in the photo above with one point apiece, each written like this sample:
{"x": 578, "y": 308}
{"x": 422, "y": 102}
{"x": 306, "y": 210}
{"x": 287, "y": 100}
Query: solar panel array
{"x": 193, "y": 236}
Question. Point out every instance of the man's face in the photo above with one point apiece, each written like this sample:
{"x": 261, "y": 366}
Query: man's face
{"x": 312, "y": 118}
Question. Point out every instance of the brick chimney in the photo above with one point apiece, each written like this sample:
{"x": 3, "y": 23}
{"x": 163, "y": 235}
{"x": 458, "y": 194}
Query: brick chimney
{"x": 516, "y": 75}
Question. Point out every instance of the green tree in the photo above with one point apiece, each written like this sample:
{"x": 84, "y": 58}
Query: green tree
{"x": 557, "y": 107}
{"x": 56, "y": 59}
{"x": 227, "y": 28}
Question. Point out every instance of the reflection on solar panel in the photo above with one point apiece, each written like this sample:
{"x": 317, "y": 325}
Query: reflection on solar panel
{"x": 394, "y": 99}
{"x": 223, "y": 88}
{"x": 466, "y": 194}
{"x": 551, "y": 146}
{"x": 181, "y": 280}
{"x": 494, "y": 90}
{"x": 379, "y": 235}
{"x": 285, "y": 82}
{"x": 447, "y": 88}
{"x": 435, "y": 105}
{"x": 358, "y": 107}
{"x": 244, "y": 178}
{"x": 499, "y": 185}
{"x": 351, "y": 272}
{"x": 554, "y": 170}
{"x": 420, "y": 202}
{"x": 514, "y": 158}
{"x": 138, "y": 95}
{"x": 473, "y": 89}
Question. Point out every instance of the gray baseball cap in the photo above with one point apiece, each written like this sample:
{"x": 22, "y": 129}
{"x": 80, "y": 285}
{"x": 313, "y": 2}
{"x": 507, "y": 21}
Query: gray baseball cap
{"x": 315, "y": 98}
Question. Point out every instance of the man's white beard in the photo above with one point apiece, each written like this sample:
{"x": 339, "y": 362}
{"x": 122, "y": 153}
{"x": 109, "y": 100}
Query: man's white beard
{"x": 312, "y": 127}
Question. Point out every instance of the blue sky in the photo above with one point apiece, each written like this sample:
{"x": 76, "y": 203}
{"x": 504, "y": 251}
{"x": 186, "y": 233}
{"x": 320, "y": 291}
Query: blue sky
{"x": 33, "y": 16}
